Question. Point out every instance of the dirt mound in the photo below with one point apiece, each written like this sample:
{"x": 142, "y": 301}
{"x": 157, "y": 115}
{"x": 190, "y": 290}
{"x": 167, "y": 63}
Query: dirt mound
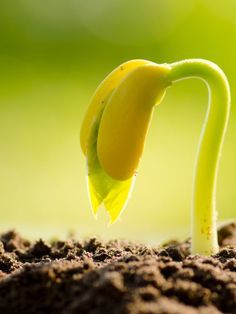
{"x": 115, "y": 277}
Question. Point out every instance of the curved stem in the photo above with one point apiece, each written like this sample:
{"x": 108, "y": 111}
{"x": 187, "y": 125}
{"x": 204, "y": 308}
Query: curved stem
{"x": 204, "y": 215}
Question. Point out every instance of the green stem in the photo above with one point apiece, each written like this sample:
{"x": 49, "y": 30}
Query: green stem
{"x": 204, "y": 215}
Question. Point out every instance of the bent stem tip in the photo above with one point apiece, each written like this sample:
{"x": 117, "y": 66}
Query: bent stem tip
{"x": 204, "y": 215}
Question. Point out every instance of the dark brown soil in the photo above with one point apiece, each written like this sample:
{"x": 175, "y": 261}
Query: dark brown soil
{"x": 115, "y": 277}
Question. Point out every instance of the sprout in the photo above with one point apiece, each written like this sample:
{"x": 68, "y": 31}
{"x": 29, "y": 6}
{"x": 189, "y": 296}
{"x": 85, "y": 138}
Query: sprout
{"x": 114, "y": 130}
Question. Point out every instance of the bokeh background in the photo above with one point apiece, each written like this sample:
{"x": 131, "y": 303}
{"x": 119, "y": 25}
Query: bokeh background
{"x": 53, "y": 54}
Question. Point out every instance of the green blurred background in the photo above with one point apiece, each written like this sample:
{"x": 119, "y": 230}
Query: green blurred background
{"x": 53, "y": 54}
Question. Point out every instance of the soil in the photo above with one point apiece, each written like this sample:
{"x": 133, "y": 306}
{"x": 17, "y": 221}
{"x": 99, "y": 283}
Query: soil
{"x": 115, "y": 277}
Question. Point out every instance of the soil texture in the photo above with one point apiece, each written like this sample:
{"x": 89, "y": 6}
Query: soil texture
{"x": 116, "y": 277}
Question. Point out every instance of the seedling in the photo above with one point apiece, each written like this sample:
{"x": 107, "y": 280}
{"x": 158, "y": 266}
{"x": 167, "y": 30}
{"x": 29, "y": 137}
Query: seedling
{"x": 114, "y": 130}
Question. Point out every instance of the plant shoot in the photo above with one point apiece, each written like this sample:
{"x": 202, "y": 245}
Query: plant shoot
{"x": 115, "y": 127}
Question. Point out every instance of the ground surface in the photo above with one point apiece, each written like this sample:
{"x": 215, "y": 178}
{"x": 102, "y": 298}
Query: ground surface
{"x": 115, "y": 277}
